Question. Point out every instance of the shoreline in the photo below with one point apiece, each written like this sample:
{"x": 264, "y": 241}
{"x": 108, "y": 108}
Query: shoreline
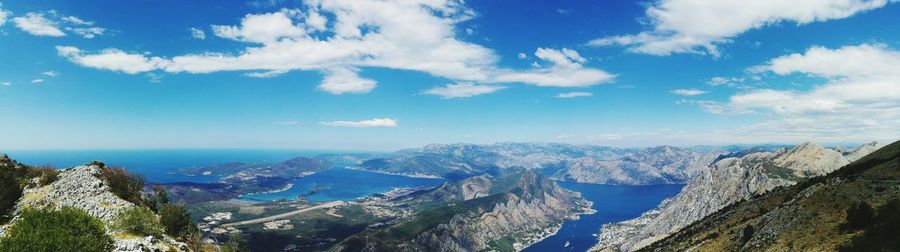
{"x": 574, "y": 217}
{"x": 422, "y": 176}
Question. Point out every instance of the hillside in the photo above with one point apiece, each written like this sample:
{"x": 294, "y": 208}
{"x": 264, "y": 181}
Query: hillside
{"x": 502, "y": 213}
{"x": 856, "y": 208}
{"x": 727, "y": 181}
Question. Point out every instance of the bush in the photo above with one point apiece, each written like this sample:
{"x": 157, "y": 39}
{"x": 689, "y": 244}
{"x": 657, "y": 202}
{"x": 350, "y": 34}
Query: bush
{"x": 10, "y": 192}
{"x": 45, "y": 174}
{"x": 176, "y": 220}
{"x": 235, "y": 243}
{"x": 67, "y": 229}
{"x": 859, "y": 216}
{"x": 882, "y": 233}
{"x": 747, "y": 234}
{"x": 123, "y": 184}
{"x": 138, "y": 220}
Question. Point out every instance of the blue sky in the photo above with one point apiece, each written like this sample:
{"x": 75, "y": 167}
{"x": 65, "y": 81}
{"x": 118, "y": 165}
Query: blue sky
{"x": 384, "y": 75}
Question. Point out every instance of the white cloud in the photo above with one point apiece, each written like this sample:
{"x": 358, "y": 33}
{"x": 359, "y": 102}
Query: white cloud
{"x": 36, "y": 24}
{"x": 565, "y": 11}
{"x": 267, "y": 74}
{"x": 4, "y": 14}
{"x": 77, "y": 21}
{"x": 566, "y": 70}
{"x": 197, "y": 33}
{"x": 342, "y": 80}
{"x": 380, "y": 122}
{"x": 5, "y": 83}
{"x": 522, "y": 56}
{"x": 366, "y": 34}
{"x": 87, "y": 32}
{"x": 574, "y": 94}
{"x": 37, "y": 81}
{"x": 859, "y": 100}
{"x": 111, "y": 59}
{"x": 262, "y": 28}
{"x": 693, "y": 26}
{"x": 461, "y": 90}
{"x": 688, "y": 92}
{"x": 283, "y": 123}
{"x": 51, "y": 73}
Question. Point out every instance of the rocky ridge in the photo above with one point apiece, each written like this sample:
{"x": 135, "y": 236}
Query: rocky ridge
{"x": 507, "y": 212}
{"x": 81, "y": 188}
{"x": 727, "y": 181}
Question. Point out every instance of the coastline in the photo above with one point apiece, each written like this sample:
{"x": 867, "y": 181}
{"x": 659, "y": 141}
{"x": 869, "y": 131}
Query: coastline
{"x": 589, "y": 209}
{"x": 423, "y": 176}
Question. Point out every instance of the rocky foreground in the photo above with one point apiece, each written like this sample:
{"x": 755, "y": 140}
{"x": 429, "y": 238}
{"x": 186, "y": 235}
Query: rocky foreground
{"x": 81, "y": 188}
{"x": 727, "y": 181}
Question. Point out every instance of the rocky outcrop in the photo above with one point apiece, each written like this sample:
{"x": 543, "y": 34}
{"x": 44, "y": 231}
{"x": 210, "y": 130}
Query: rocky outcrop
{"x": 79, "y": 188}
{"x": 728, "y": 181}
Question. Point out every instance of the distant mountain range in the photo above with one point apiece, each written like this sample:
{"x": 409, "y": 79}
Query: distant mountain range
{"x": 739, "y": 176}
{"x": 579, "y": 163}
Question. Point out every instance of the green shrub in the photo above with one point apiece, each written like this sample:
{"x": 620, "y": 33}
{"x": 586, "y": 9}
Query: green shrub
{"x": 10, "y": 192}
{"x": 881, "y": 235}
{"x": 138, "y": 220}
{"x": 235, "y": 243}
{"x": 45, "y": 174}
{"x": 176, "y": 220}
{"x": 859, "y": 216}
{"x": 124, "y": 184}
{"x": 67, "y": 229}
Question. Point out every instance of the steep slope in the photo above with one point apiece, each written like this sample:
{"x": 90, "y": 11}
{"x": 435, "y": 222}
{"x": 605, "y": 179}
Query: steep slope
{"x": 727, "y": 181}
{"x": 814, "y": 215}
{"x": 503, "y": 213}
{"x": 581, "y": 163}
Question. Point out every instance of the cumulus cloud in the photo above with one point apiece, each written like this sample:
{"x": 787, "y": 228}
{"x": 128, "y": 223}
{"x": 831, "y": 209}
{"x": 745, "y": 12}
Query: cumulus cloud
{"x": 374, "y": 123}
{"x": 36, "y": 24}
{"x": 197, "y": 33}
{"x": 342, "y": 80}
{"x": 688, "y": 92}
{"x": 111, "y": 59}
{"x": 566, "y": 70}
{"x": 859, "y": 100}
{"x": 4, "y": 14}
{"x": 349, "y": 34}
{"x": 691, "y": 26}
{"x": 461, "y": 90}
{"x": 574, "y": 94}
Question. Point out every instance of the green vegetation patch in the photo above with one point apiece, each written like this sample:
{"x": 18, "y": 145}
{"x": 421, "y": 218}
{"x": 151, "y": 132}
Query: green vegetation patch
{"x": 67, "y": 229}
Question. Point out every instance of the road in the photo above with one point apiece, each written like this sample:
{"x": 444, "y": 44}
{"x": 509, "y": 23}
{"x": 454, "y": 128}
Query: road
{"x": 284, "y": 215}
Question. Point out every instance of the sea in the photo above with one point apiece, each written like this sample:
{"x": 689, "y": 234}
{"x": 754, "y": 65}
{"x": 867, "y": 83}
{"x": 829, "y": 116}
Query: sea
{"x": 613, "y": 203}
